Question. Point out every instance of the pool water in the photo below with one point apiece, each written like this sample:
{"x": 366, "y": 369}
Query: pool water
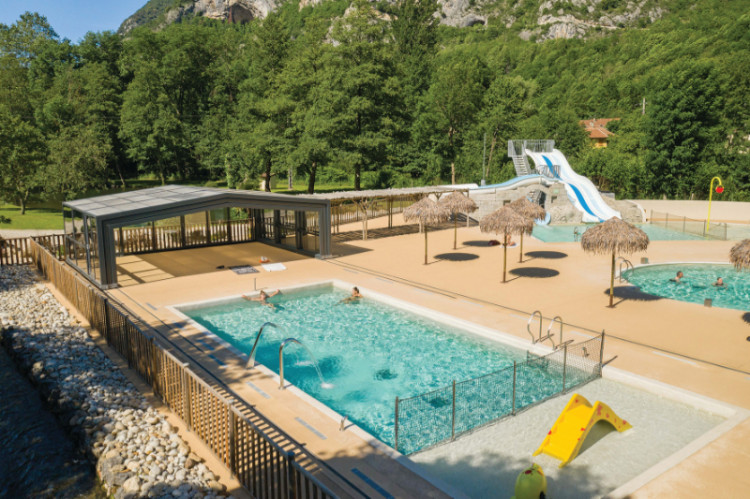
{"x": 696, "y": 285}
{"x": 370, "y": 352}
{"x": 567, "y": 233}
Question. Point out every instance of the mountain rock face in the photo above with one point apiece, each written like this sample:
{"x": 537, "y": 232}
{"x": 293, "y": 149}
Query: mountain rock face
{"x": 550, "y": 19}
{"x": 234, "y": 11}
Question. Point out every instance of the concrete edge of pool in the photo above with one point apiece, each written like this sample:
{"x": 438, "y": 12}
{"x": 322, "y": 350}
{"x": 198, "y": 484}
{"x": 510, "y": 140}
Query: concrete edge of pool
{"x": 733, "y": 415}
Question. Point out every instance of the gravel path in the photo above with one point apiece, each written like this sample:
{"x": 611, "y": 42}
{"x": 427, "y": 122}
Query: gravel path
{"x": 136, "y": 451}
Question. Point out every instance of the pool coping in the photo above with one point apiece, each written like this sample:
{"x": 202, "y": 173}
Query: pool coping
{"x": 733, "y": 415}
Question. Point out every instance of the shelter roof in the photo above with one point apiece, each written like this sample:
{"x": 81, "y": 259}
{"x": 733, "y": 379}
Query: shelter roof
{"x": 597, "y": 128}
{"x": 172, "y": 196}
{"x": 341, "y": 196}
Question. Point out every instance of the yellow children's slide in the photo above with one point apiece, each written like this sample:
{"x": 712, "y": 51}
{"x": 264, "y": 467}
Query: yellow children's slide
{"x": 564, "y": 440}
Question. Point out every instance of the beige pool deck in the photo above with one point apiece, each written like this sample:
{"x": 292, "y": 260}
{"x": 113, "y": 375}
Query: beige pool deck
{"x": 700, "y": 349}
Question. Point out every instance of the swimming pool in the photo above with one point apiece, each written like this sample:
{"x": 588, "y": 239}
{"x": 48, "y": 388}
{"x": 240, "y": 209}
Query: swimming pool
{"x": 567, "y": 233}
{"x": 371, "y": 353}
{"x": 696, "y": 285}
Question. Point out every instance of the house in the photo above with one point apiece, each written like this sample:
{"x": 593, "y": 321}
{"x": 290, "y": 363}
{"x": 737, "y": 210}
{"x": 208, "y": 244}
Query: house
{"x": 597, "y": 130}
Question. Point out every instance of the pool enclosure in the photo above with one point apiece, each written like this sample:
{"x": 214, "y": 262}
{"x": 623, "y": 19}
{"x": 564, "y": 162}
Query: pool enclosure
{"x": 101, "y": 228}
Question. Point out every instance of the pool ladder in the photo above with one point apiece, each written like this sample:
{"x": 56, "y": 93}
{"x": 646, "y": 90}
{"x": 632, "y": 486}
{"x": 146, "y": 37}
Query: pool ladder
{"x": 624, "y": 262}
{"x": 550, "y": 335}
{"x": 251, "y": 360}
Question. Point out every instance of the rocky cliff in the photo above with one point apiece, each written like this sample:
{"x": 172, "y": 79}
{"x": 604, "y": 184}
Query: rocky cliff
{"x": 532, "y": 20}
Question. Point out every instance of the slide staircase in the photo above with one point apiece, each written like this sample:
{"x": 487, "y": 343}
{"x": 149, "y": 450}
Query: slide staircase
{"x": 564, "y": 440}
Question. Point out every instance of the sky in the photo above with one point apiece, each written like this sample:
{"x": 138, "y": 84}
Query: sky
{"x": 72, "y": 19}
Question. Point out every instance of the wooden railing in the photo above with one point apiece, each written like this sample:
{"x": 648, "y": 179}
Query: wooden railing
{"x": 17, "y": 251}
{"x": 235, "y": 433}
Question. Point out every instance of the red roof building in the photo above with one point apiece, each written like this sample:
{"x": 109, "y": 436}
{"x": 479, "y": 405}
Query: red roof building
{"x": 597, "y": 130}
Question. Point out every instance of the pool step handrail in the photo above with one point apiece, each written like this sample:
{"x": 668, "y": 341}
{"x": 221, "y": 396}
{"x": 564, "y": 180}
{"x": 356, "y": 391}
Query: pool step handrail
{"x": 624, "y": 262}
{"x": 281, "y": 359}
{"x": 251, "y": 360}
{"x": 528, "y": 325}
{"x": 550, "y": 335}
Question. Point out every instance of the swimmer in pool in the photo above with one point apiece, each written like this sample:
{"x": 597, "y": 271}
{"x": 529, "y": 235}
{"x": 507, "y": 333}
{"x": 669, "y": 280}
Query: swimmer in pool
{"x": 263, "y": 298}
{"x": 355, "y": 296}
{"x": 678, "y": 277}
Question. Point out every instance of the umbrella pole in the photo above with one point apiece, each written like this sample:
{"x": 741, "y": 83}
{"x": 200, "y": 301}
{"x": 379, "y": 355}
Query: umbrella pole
{"x": 425, "y": 245}
{"x": 455, "y": 229}
{"x": 612, "y": 282}
{"x": 505, "y": 255}
{"x": 520, "y": 256}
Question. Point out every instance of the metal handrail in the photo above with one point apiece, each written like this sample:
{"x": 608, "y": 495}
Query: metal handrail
{"x": 627, "y": 263}
{"x": 281, "y": 359}
{"x": 528, "y": 325}
{"x": 549, "y": 332}
{"x": 251, "y": 360}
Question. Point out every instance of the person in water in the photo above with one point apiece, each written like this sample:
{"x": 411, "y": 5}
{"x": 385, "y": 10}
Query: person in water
{"x": 355, "y": 296}
{"x": 678, "y": 277}
{"x": 263, "y": 298}
{"x": 720, "y": 283}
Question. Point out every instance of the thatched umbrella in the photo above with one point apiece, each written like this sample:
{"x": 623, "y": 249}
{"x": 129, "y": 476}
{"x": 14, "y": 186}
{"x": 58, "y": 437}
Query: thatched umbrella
{"x": 506, "y": 221}
{"x": 527, "y": 209}
{"x": 739, "y": 255}
{"x": 614, "y": 236}
{"x": 457, "y": 203}
{"x": 427, "y": 212}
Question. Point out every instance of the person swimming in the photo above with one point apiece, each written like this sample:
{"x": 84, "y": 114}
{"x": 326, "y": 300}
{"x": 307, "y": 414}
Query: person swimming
{"x": 355, "y": 296}
{"x": 678, "y": 277}
{"x": 263, "y": 298}
{"x": 720, "y": 283}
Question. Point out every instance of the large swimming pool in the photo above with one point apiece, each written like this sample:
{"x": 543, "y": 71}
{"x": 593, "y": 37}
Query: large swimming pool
{"x": 368, "y": 351}
{"x": 572, "y": 233}
{"x": 696, "y": 285}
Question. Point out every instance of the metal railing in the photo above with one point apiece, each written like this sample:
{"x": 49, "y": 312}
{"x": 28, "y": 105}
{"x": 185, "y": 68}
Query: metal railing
{"x": 518, "y": 147}
{"x": 687, "y": 225}
{"x": 623, "y": 262}
{"x": 235, "y": 433}
{"x": 430, "y": 418}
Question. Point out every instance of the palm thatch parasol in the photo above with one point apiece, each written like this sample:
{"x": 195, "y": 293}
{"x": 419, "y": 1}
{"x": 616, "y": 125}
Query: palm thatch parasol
{"x": 457, "y": 203}
{"x": 739, "y": 255}
{"x": 427, "y": 212}
{"x": 614, "y": 236}
{"x": 506, "y": 221}
{"x": 527, "y": 209}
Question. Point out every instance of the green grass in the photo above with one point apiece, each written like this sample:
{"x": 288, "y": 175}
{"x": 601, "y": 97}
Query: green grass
{"x": 34, "y": 218}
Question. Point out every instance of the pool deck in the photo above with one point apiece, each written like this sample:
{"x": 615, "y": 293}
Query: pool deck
{"x": 700, "y": 349}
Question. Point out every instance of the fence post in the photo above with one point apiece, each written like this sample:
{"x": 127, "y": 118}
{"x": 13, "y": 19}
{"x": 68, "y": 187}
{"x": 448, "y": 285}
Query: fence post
{"x": 513, "y": 410}
{"x": 565, "y": 364}
{"x": 105, "y": 301}
{"x": 291, "y": 482}
{"x": 155, "y": 369}
{"x": 395, "y": 429}
{"x": 601, "y": 354}
{"x": 228, "y": 217}
{"x": 153, "y": 236}
{"x": 187, "y": 407}
{"x": 232, "y": 442}
{"x": 453, "y": 413}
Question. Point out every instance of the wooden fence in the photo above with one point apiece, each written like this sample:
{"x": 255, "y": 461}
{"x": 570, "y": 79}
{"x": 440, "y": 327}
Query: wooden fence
{"x": 235, "y": 434}
{"x": 17, "y": 251}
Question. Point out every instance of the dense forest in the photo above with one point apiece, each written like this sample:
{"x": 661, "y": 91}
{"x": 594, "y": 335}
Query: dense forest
{"x": 377, "y": 95}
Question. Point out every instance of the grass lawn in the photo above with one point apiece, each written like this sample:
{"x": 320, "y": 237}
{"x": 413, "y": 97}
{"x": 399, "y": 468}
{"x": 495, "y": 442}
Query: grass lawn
{"x": 34, "y": 218}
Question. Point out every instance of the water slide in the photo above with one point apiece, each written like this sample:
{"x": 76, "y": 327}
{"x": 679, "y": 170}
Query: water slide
{"x": 581, "y": 191}
{"x": 564, "y": 440}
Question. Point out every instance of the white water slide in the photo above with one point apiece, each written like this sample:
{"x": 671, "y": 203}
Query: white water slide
{"x": 581, "y": 191}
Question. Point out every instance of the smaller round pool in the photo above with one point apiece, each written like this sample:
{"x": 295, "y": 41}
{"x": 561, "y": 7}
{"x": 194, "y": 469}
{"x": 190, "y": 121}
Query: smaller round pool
{"x": 696, "y": 285}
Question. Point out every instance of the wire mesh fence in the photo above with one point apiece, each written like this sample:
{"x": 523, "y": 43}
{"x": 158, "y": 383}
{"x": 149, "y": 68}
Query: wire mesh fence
{"x": 717, "y": 230}
{"x": 442, "y": 414}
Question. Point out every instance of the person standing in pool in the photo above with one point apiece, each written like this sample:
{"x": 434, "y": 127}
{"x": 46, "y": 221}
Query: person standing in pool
{"x": 356, "y": 295}
{"x": 678, "y": 277}
{"x": 263, "y": 298}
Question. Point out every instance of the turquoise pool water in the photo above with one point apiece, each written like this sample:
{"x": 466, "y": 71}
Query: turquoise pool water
{"x": 567, "y": 233}
{"x": 371, "y": 353}
{"x": 696, "y": 285}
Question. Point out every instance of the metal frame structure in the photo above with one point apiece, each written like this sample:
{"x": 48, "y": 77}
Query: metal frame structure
{"x": 90, "y": 223}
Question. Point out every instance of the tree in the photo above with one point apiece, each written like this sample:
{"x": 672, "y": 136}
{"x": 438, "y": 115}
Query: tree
{"x": 681, "y": 126}
{"x": 362, "y": 89}
{"x": 21, "y": 154}
{"x": 451, "y": 105}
